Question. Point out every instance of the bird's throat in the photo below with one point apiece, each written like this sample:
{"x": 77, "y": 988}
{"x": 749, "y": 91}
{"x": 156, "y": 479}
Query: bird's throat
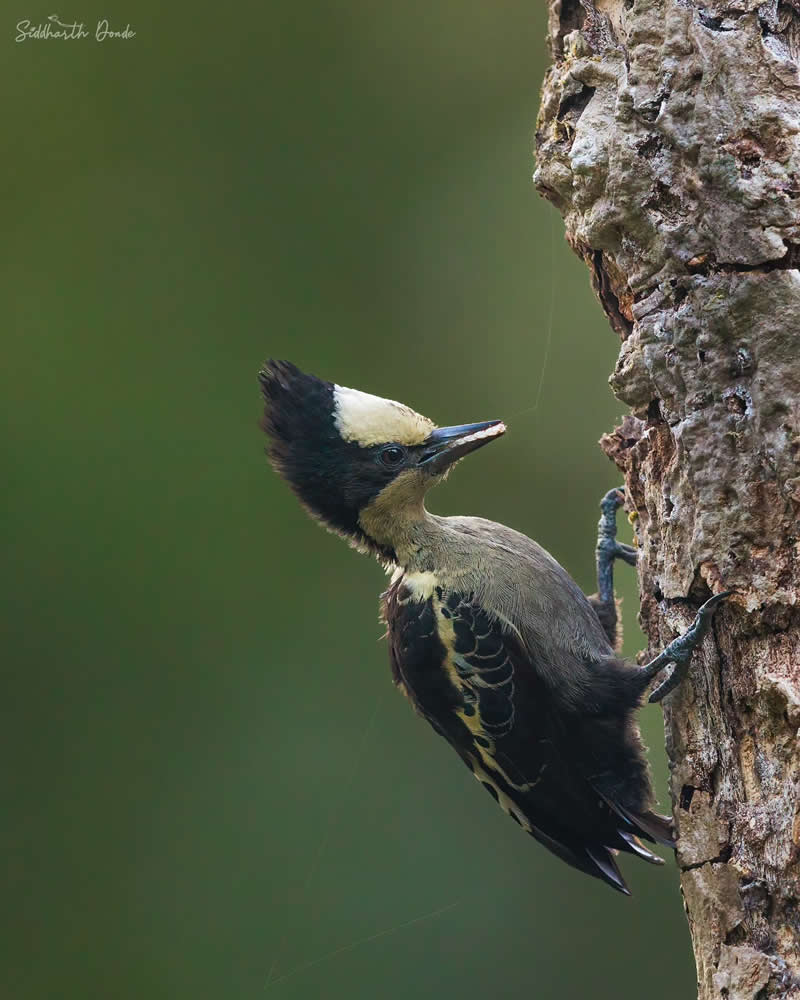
{"x": 396, "y": 520}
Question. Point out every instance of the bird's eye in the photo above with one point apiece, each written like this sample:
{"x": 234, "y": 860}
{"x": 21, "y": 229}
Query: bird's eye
{"x": 392, "y": 456}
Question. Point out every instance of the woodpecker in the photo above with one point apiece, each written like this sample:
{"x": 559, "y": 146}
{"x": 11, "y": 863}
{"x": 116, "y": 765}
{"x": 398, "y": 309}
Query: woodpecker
{"x": 489, "y": 637}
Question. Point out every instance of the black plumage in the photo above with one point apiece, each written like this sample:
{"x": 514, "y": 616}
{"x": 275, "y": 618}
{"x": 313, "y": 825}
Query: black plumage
{"x": 557, "y": 774}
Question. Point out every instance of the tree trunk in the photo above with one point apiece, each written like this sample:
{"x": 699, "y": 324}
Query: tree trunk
{"x": 669, "y": 139}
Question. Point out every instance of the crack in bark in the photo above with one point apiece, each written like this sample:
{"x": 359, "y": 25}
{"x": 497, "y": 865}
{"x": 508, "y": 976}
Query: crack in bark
{"x": 705, "y": 263}
{"x": 722, "y": 858}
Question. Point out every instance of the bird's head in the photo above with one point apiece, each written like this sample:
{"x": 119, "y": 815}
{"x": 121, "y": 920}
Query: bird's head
{"x": 359, "y": 463}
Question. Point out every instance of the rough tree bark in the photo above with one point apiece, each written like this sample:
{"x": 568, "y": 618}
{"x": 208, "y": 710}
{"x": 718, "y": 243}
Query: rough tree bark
{"x": 669, "y": 139}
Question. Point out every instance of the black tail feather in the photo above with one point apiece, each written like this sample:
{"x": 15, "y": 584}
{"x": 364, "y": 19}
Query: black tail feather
{"x": 634, "y": 846}
{"x": 604, "y": 859}
{"x": 595, "y": 861}
{"x": 651, "y": 825}
{"x": 654, "y": 827}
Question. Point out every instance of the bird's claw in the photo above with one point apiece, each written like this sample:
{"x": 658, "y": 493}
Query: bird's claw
{"x": 677, "y": 674}
{"x": 607, "y": 550}
{"x": 679, "y": 651}
{"x": 613, "y": 499}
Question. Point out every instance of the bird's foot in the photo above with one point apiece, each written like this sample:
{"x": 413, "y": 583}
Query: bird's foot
{"x": 680, "y": 650}
{"x": 608, "y": 548}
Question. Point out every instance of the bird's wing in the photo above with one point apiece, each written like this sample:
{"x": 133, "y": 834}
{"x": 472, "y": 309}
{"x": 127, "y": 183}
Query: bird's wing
{"x": 472, "y": 679}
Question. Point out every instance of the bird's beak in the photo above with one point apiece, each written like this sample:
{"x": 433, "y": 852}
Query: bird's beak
{"x": 446, "y": 445}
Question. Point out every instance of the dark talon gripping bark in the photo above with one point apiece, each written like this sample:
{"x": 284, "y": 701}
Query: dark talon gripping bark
{"x": 680, "y": 650}
{"x": 607, "y": 550}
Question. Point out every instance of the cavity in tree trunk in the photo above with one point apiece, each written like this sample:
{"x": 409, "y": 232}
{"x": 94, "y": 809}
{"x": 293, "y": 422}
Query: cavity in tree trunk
{"x": 669, "y": 139}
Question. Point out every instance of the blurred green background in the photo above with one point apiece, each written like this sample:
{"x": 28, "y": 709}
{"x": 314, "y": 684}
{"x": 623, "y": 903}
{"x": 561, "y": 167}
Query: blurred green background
{"x": 208, "y": 775}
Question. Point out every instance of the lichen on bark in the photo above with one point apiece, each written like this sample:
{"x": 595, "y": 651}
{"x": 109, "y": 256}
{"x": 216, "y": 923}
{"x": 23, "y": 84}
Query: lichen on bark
{"x": 669, "y": 139}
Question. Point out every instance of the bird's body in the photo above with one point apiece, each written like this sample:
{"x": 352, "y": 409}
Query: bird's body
{"x": 490, "y": 638}
{"x": 499, "y": 650}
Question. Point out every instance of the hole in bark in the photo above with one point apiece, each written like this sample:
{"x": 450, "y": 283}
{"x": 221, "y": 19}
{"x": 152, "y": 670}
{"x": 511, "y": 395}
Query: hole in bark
{"x": 701, "y": 357}
{"x": 687, "y": 794}
{"x": 699, "y": 591}
{"x": 648, "y": 110}
{"x": 679, "y": 294}
{"x": 778, "y": 20}
{"x": 735, "y": 404}
{"x": 790, "y": 260}
{"x": 698, "y": 264}
{"x": 742, "y": 933}
{"x": 743, "y": 363}
{"x": 669, "y": 506}
{"x": 713, "y": 24}
{"x": 572, "y": 17}
{"x": 720, "y": 23}
{"x": 549, "y": 194}
{"x": 654, "y": 412}
{"x": 572, "y": 107}
{"x": 735, "y": 936}
{"x": 663, "y": 199}
{"x": 649, "y": 146}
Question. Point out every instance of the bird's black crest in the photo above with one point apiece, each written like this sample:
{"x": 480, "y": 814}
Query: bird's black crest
{"x": 298, "y": 415}
{"x": 304, "y": 445}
